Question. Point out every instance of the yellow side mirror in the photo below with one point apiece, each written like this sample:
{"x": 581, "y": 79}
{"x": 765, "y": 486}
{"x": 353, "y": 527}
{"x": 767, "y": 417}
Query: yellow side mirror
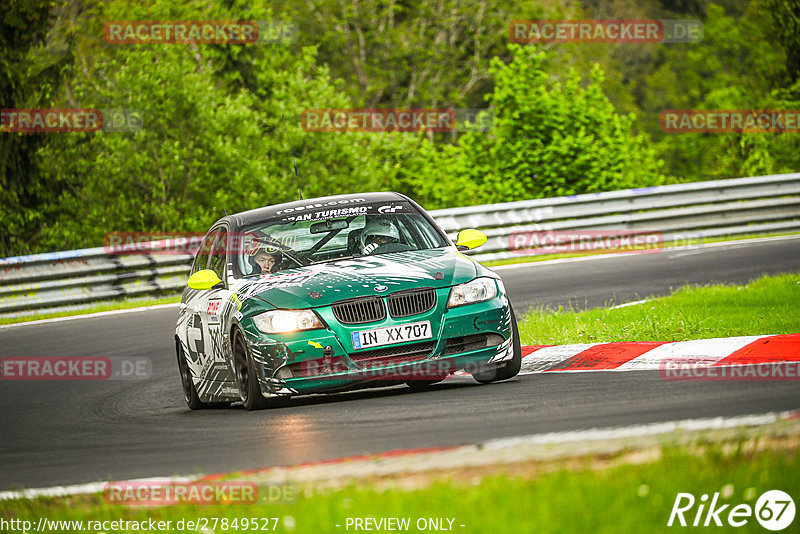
{"x": 469, "y": 239}
{"x": 205, "y": 279}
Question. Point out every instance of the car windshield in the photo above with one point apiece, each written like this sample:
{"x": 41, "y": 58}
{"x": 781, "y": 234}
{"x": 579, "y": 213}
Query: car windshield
{"x": 302, "y": 238}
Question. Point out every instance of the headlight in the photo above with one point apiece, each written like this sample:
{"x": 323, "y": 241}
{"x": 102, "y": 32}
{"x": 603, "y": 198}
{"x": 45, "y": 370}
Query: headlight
{"x": 478, "y": 290}
{"x": 283, "y": 321}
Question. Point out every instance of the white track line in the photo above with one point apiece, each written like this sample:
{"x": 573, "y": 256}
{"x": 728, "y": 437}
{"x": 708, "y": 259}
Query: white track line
{"x": 91, "y": 315}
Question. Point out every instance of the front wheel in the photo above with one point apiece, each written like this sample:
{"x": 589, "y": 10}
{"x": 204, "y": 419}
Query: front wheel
{"x": 509, "y": 369}
{"x": 246, "y": 378}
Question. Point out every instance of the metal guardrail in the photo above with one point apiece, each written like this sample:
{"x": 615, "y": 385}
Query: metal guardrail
{"x": 79, "y": 278}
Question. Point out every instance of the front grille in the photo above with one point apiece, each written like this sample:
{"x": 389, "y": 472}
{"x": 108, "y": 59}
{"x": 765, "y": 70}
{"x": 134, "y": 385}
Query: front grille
{"x": 406, "y": 303}
{"x": 393, "y": 355}
{"x": 362, "y": 310}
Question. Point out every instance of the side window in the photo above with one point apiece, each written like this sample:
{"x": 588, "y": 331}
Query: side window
{"x": 218, "y": 257}
{"x": 201, "y": 259}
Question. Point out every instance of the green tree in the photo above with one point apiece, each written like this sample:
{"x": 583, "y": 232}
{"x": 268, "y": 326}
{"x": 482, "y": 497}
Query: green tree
{"x": 31, "y": 69}
{"x": 553, "y": 138}
{"x": 217, "y": 125}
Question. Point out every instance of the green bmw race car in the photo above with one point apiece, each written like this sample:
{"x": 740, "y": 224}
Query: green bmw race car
{"x": 337, "y": 293}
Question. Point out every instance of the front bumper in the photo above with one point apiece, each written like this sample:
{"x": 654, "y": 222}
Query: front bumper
{"x": 464, "y": 338}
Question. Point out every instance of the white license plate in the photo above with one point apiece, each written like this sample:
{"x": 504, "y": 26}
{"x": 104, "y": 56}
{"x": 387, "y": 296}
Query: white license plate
{"x": 391, "y": 334}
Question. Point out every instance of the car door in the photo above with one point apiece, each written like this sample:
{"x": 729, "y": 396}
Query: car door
{"x": 213, "y": 307}
{"x": 191, "y": 329}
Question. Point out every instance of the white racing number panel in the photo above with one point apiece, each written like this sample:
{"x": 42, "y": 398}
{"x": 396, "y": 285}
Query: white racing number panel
{"x": 391, "y": 334}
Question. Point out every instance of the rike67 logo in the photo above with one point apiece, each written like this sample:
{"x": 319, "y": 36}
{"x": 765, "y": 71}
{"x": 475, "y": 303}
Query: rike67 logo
{"x": 774, "y": 510}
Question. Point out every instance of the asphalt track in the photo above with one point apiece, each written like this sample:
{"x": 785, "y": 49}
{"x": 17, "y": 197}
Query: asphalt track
{"x": 54, "y": 433}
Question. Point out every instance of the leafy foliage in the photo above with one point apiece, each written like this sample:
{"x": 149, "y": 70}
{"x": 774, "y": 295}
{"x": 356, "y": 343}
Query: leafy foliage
{"x": 218, "y": 121}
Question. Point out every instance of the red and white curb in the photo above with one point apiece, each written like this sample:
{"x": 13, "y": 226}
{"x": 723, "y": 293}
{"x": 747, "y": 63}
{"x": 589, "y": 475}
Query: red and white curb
{"x": 651, "y": 355}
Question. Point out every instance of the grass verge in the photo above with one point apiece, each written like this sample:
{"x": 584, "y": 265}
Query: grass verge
{"x": 767, "y": 305}
{"x": 109, "y": 306}
{"x": 589, "y": 494}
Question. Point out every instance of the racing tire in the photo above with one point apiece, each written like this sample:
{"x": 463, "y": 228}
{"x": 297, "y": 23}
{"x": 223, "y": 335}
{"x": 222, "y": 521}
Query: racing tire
{"x": 246, "y": 378}
{"x": 512, "y": 367}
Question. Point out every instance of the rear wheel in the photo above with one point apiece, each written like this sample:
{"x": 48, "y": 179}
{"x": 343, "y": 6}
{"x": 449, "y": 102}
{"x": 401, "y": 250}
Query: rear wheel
{"x": 509, "y": 369}
{"x": 246, "y": 378}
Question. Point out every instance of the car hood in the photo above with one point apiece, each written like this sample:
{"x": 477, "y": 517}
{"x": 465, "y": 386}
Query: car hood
{"x": 323, "y": 284}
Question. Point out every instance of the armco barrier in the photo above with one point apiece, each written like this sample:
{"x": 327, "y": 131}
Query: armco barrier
{"x": 79, "y": 278}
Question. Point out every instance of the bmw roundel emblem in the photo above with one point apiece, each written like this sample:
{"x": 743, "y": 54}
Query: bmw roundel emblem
{"x": 380, "y": 288}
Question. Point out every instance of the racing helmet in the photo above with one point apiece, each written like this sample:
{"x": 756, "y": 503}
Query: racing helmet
{"x": 378, "y": 228}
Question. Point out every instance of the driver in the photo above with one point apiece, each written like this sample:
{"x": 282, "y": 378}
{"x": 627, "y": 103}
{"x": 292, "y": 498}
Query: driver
{"x": 265, "y": 261}
{"x": 378, "y": 236}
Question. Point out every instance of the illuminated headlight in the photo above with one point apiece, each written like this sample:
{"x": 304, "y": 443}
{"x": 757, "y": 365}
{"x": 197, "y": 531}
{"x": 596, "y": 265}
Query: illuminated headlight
{"x": 284, "y": 321}
{"x": 478, "y": 290}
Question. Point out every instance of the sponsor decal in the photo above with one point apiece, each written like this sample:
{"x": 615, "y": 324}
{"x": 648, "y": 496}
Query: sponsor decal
{"x": 376, "y": 266}
{"x": 389, "y": 209}
{"x": 229, "y": 391}
{"x": 321, "y": 205}
{"x": 280, "y": 280}
{"x": 330, "y": 214}
{"x": 483, "y": 324}
{"x": 212, "y": 310}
